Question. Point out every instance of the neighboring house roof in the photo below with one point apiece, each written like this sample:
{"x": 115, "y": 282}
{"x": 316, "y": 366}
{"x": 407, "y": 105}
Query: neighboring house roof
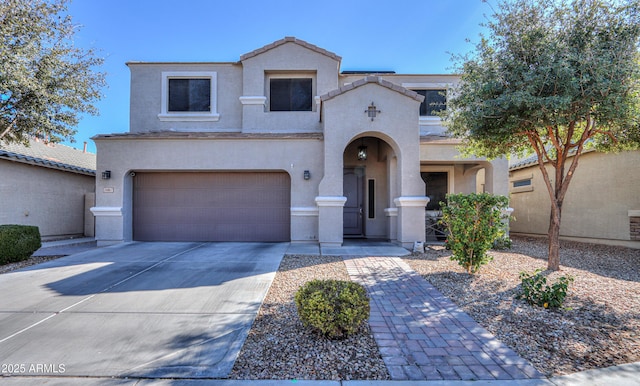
{"x": 524, "y": 162}
{"x": 50, "y": 155}
{"x": 372, "y": 79}
{"x": 290, "y": 39}
{"x": 533, "y": 160}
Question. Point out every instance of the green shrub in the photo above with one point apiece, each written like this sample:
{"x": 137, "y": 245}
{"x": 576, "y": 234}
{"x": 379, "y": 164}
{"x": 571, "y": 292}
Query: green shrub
{"x": 18, "y": 242}
{"x": 334, "y": 308}
{"x": 474, "y": 222}
{"x": 502, "y": 242}
{"x": 536, "y": 291}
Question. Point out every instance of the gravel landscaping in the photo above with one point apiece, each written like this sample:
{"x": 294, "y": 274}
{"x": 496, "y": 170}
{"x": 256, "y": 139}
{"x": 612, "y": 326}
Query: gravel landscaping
{"x": 279, "y": 347}
{"x": 598, "y": 326}
{"x": 33, "y": 260}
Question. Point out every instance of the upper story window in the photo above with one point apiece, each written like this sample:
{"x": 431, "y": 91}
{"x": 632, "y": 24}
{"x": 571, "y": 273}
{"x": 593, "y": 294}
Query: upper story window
{"x": 189, "y": 96}
{"x": 290, "y": 94}
{"x": 434, "y": 102}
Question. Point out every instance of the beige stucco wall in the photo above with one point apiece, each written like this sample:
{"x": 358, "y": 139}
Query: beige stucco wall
{"x": 121, "y": 156}
{"x": 288, "y": 59}
{"x": 604, "y": 188}
{"x": 146, "y": 96}
{"x": 51, "y": 199}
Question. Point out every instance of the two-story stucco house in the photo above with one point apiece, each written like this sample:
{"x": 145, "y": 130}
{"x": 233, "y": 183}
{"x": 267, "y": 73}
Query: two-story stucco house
{"x": 281, "y": 146}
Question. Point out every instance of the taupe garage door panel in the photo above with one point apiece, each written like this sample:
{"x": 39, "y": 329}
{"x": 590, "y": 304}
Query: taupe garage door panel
{"x": 231, "y": 206}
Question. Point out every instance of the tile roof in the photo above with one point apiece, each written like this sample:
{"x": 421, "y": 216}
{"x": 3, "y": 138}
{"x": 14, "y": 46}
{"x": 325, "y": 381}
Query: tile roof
{"x": 56, "y": 156}
{"x": 290, "y": 39}
{"x": 372, "y": 79}
{"x": 532, "y": 160}
{"x": 180, "y": 134}
{"x": 524, "y": 162}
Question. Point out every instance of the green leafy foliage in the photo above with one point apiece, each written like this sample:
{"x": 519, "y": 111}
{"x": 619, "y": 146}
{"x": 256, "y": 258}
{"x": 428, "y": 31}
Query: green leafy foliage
{"x": 45, "y": 80}
{"x": 473, "y": 222}
{"x": 553, "y": 78}
{"x": 18, "y": 242}
{"x": 335, "y": 308}
{"x": 536, "y": 291}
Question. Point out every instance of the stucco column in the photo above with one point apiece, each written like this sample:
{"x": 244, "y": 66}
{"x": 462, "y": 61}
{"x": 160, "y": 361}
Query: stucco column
{"x": 330, "y": 220}
{"x": 108, "y": 222}
{"x": 411, "y": 214}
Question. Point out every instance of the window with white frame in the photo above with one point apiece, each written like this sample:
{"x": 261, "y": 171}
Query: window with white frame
{"x": 189, "y": 96}
{"x": 291, "y": 92}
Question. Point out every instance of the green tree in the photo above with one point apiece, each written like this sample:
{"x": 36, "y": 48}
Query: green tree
{"x": 45, "y": 81}
{"x": 554, "y": 78}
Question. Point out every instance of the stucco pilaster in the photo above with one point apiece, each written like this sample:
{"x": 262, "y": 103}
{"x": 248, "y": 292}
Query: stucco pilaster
{"x": 411, "y": 227}
{"x": 108, "y": 222}
{"x": 330, "y": 220}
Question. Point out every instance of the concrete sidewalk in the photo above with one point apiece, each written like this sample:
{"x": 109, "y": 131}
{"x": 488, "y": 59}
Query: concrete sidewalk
{"x": 623, "y": 375}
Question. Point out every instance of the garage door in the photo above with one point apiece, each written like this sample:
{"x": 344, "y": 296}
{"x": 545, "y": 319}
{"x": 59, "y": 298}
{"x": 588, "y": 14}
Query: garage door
{"x": 211, "y": 206}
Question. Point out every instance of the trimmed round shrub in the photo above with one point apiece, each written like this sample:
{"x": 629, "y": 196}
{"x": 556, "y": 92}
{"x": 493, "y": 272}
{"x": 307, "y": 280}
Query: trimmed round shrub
{"x": 18, "y": 242}
{"x": 334, "y": 308}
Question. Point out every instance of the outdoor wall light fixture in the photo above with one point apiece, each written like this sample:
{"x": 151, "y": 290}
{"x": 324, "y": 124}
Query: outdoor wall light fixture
{"x": 307, "y": 175}
{"x": 372, "y": 111}
{"x": 362, "y": 152}
{"x": 106, "y": 174}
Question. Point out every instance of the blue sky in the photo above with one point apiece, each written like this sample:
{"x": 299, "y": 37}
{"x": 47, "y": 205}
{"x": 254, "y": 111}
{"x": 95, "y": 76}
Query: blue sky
{"x": 406, "y": 36}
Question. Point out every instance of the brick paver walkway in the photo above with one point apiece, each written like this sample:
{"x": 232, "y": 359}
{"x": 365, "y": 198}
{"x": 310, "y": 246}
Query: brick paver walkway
{"x": 422, "y": 335}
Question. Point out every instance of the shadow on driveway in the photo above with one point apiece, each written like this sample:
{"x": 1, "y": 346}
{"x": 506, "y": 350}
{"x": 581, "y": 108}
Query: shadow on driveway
{"x": 137, "y": 309}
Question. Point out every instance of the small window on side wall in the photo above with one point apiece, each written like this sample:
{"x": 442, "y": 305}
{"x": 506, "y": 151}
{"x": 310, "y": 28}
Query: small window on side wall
{"x": 521, "y": 183}
{"x": 434, "y": 102}
{"x": 290, "y": 94}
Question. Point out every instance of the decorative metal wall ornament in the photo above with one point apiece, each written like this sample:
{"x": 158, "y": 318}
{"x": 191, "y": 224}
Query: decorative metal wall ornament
{"x": 372, "y": 111}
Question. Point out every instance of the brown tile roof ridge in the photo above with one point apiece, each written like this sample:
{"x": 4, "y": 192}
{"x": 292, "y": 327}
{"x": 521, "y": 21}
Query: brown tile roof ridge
{"x": 290, "y": 39}
{"x": 372, "y": 79}
{"x": 52, "y": 155}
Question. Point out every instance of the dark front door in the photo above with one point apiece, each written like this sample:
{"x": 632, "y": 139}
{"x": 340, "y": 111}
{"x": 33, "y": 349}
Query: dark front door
{"x": 353, "y": 189}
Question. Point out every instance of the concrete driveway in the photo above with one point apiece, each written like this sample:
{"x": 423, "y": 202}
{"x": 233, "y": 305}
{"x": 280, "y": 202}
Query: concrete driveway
{"x": 178, "y": 310}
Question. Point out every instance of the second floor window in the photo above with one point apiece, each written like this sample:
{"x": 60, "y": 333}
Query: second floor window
{"x": 434, "y": 102}
{"x": 290, "y": 94}
{"x": 189, "y": 95}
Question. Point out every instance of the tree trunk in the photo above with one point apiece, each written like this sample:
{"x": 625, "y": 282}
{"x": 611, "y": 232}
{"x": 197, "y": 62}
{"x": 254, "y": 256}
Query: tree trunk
{"x": 553, "y": 262}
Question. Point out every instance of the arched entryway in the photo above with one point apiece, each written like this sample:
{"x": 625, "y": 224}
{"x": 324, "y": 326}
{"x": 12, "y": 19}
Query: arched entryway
{"x": 368, "y": 169}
